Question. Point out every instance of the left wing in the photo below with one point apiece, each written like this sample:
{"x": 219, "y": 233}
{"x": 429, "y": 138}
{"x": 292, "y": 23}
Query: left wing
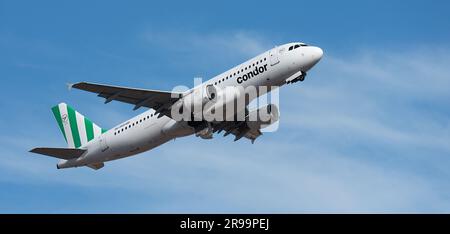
{"x": 238, "y": 128}
{"x": 161, "y": 101}
{"x": 249, "y": 128}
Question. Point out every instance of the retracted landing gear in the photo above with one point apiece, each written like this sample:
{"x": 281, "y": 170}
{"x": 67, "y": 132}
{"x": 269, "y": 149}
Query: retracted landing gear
{"x": 301, "y": 77}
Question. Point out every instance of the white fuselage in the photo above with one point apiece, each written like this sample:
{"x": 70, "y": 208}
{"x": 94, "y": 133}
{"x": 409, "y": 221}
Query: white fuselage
{"x": 147, "y": 131}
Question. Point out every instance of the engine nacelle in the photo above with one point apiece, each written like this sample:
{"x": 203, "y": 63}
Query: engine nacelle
{"x": 225, "y": 105}
{"x": 263, "y": 117}
{"x": 199, "y": 97}
{"x": 210, "y": 103}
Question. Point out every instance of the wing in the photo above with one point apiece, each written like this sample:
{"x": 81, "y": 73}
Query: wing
{"x": 161, "y": 101}
{"x": 249, "y": 128}
{"x": 238, "y": 128}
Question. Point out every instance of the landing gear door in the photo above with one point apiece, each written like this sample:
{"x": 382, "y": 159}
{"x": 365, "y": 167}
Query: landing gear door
{"x": 274, "y": 59}
{"x": 102, "y": 142}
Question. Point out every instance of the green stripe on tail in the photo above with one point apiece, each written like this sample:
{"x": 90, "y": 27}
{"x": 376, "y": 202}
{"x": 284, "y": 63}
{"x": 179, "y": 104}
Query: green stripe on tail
{"x": 57, "y": 115}
{"x": 89, "y": 129}
{"x": 74, "y": 127}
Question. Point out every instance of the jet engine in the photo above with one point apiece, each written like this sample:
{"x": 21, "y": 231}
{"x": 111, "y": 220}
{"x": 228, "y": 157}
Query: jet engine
{"x": 210, "y": 103}
{"x": 195, "y": 100}
{"x": 263, "y": 117}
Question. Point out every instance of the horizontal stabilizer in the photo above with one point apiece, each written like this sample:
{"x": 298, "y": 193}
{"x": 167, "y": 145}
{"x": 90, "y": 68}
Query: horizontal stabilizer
{"x": 62, "y": 153}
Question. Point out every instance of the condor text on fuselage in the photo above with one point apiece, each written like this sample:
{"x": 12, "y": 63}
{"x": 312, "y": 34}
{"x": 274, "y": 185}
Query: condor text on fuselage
{"x": 257, "y": 71}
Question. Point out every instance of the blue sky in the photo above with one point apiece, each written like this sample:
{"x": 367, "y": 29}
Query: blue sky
{"x": 368, "y": 131}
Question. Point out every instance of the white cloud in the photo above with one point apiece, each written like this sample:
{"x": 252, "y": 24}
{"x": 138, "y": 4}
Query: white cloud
{"x": 235, "y": 43}
{"x": 381, "y": 96}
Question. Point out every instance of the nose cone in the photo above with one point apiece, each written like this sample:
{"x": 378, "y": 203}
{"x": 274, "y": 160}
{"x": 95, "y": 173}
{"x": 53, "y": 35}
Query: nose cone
{"x": 313, "y": 55}
{"x": 318, "y": 53}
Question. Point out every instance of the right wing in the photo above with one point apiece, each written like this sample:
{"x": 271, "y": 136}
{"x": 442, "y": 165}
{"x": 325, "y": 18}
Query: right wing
{"x": 62, "y": 153}
{"x": 161, "y": 101}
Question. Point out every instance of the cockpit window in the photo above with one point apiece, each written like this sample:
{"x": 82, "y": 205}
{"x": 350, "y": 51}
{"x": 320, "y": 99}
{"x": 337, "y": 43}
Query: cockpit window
{"x": 297, "y": 46}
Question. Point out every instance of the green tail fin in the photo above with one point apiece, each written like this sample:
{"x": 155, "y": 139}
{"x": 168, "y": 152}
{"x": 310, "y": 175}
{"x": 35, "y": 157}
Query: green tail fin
{"x": 77, "y": 129}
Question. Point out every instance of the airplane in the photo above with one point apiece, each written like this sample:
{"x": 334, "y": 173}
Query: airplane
{"x": 90, "y": 145}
